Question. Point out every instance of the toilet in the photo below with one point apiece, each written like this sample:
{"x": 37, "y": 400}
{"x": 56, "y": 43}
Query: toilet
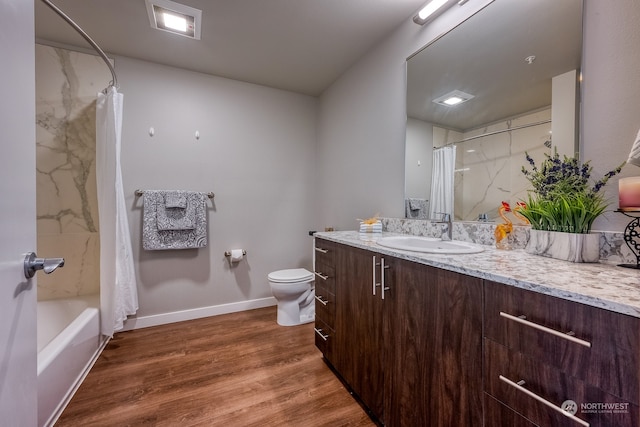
{"x": 293, "y": 289}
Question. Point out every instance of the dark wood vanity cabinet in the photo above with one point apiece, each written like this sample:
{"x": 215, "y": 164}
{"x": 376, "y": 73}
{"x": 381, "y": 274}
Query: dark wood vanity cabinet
{"x": 424, "y": 346}
{"x": 541, "y": 351}
{"x": 408, "y": 339}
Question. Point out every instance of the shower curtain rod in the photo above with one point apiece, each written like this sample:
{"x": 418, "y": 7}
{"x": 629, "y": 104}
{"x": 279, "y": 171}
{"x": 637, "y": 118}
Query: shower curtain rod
{"x": 114, "y": 79}
{"x": 497, "y": 132}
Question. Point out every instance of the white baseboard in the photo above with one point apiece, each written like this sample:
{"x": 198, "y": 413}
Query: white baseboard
{"x": 195, "y": 313}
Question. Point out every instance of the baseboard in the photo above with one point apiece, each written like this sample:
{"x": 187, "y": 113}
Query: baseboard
{"x": 195, "y": 313}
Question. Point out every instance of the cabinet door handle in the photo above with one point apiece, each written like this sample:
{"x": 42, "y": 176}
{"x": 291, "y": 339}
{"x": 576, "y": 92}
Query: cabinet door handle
{"x": 568, "y": 335}
{"x": 323, "y": 251}
{"x": 373, "y": 273}
{"x": 320, "y": 300}
{"x": 382, "y": 269}
{"x": 319, "y": 332}
{"x": 320, "y": 275}
{"x": 519, "y": 387}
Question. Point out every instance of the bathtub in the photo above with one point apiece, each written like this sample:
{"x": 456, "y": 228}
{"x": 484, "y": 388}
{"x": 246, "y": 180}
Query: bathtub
{"x": 69, "y": 342}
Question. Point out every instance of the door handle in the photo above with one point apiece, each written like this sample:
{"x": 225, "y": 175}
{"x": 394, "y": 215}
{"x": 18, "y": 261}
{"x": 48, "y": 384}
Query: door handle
{"x": 32, "y": 264}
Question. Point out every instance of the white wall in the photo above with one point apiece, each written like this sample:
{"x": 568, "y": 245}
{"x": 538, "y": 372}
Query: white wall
{"x": 362, "y": 115}
{"x": 611, "y": 94}
{"x": 256, "y": 153}
{"x": 418, "y": 159}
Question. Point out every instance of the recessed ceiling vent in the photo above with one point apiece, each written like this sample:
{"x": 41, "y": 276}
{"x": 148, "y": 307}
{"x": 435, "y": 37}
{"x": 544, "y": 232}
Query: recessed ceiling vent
{"x": 175, "y": 18}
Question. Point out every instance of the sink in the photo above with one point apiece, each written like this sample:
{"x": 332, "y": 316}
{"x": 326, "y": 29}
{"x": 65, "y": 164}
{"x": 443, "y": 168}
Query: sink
{"x": 429, "y": 245}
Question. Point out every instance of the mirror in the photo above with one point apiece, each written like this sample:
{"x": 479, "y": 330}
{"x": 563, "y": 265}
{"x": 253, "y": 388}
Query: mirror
{"x": 520, "y": 63}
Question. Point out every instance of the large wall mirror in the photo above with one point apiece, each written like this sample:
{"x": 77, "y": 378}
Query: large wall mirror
{"x": 516, "y": 67}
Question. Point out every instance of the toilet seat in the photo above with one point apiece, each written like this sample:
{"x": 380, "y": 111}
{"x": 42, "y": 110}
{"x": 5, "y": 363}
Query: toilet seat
{"x": 293, "y": 275}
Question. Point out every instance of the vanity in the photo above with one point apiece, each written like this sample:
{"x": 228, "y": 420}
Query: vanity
{"x": 491, "y": 338}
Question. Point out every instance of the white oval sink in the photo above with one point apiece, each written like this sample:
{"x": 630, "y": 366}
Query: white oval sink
{"x": 429, "y": 245}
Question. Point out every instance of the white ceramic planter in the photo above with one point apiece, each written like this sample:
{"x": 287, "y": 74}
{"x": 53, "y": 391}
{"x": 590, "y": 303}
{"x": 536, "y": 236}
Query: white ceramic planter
{"x": 565, "y": 246}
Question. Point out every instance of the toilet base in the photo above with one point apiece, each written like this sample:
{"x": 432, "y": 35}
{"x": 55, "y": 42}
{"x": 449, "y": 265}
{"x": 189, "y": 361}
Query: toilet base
{"x": 285, "y": 318}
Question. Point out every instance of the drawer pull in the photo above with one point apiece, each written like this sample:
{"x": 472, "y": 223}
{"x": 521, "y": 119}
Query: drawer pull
{"x": 322, "y": 251}
{"x": 556, "y": 408}
{"x": 319, "y": 332}
{"x": 320, "y": 300}
{"x": 320, "y": 275}
{"x": 568, "y": 336}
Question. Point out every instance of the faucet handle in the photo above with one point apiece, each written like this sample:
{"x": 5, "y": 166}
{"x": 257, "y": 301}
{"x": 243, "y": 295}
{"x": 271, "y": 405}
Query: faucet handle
{"x": 446, "y": 217}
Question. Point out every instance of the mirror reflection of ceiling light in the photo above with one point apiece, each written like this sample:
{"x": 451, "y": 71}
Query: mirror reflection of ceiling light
{"x": 452, "y": 98}
{"x": 178, "y": 23}
{"x": 175, "y": 18}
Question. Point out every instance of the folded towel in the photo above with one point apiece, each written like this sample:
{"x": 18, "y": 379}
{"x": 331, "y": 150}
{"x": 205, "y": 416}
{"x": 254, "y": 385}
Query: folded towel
{"x": 175, "y": 199}
{"x": 421, "y": 213}
{"x": 155, "y": 239}
{"x": 376, "y": 227}
{"x": 416, "y": 204}
{"x": 176, "y": 218}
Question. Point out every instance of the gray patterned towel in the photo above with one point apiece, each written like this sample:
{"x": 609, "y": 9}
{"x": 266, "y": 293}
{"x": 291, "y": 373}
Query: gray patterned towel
{"x": 156, "y": 239}
{"x": 175, "y": 215}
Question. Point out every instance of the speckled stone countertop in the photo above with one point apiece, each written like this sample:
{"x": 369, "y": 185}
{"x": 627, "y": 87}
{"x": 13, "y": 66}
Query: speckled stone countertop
{"x": 600, "y": 285}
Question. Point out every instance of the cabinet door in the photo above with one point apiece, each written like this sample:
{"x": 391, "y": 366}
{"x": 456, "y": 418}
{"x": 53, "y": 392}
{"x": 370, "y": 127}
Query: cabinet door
{"x": 358, "y": 352}
{"x": 434, "y": 329}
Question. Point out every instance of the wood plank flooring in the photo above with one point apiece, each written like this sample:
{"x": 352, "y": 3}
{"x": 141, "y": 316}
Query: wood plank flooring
{"x": 239, "y": 369}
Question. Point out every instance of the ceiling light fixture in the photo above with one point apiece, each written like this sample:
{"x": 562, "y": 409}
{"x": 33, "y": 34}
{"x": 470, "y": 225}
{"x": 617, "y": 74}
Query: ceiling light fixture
{"x": 452, "y": 98}
{"x": 176, "y": 18}
{"x": 428, "y": 12}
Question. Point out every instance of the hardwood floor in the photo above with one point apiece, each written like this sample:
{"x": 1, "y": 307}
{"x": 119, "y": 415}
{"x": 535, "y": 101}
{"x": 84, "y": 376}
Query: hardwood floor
{"x": 239, "y": 369}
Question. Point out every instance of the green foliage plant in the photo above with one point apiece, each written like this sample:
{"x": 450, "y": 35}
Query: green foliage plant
{"x": 562, "y": 198}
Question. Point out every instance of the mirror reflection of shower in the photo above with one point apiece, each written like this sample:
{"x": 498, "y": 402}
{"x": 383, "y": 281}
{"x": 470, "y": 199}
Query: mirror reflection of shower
{"x": 489, "y": 164}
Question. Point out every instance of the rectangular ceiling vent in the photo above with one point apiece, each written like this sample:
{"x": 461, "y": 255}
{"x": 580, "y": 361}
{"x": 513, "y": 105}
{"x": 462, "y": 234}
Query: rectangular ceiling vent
{"x": 175, "y": 18}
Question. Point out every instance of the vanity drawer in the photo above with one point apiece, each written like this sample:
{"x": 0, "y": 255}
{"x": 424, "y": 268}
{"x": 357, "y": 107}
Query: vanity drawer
{"x": 498, "y": 414}
{"x": 597, "y": 346}
{"x": 324, "y": 251}
{"x": 324, "y": 336}
{"x": 534, "y": 389}
{"x": 325, "y": 304}
{"x": 325, "y": 278}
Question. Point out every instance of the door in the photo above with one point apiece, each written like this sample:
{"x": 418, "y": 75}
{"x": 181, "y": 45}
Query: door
{"x": 434, "y": 324}
{"x": 18, "y": 359}
{"x": 359, "y": 346}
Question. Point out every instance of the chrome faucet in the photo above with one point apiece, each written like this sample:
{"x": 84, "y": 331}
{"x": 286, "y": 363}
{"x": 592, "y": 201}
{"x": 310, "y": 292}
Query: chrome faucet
{"x": 446, "y": 219}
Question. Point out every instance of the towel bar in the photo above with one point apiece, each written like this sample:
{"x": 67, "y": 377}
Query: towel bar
{"x": 139, "y": 193}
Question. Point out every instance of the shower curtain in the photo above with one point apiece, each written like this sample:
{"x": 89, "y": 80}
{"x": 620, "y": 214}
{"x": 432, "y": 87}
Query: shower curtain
{"x": 118, "y": 288}
{"x": 442, "y": 181}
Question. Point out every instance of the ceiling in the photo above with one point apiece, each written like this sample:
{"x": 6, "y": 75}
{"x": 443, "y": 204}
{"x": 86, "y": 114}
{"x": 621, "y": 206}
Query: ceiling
{"x": 296, "y": 45}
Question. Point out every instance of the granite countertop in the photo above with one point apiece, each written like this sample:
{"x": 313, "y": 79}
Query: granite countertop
{"x": 599, "y": 285}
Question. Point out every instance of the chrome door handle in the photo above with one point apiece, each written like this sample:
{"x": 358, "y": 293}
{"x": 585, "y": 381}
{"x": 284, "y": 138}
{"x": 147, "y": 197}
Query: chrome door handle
{"x": 32, "y": 264}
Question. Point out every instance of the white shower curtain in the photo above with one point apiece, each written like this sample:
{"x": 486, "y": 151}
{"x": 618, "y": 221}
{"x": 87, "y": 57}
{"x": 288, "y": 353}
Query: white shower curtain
{"x": 118, "y": 288}
{"x": 442, "y": 181}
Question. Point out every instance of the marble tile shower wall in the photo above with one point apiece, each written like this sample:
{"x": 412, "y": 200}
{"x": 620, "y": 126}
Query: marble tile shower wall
{"x": 67, "y": 208}
{"x": 613, "y": 249}
{"x": 489, "y": 169}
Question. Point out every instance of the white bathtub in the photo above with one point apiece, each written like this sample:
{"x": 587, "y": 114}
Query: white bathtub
{"x": 69, "y": 342}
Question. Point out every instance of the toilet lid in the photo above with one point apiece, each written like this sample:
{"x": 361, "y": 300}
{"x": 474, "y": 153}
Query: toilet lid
{"x": 291, "y": 276}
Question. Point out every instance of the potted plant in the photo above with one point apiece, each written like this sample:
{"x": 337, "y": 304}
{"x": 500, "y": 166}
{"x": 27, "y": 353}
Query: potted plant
{"x": 562, "y": 207}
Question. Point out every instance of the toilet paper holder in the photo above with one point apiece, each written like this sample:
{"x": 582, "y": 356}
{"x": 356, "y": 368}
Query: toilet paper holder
{"x": 228, "y": 253}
